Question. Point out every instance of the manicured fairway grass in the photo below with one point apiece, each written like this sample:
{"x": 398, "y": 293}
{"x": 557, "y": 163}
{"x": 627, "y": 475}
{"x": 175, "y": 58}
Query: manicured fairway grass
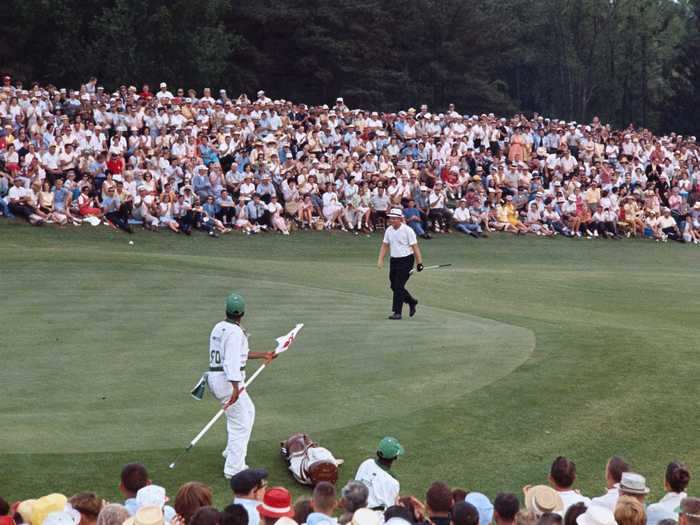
{"x": 525, "y": 349}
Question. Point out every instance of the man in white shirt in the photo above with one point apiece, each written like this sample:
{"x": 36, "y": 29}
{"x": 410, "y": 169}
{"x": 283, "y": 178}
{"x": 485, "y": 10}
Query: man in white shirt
{"x": 462, "y": 220}
{"x": 375, "y": 473}
{"x": 614, "y": 469}
{"x": 164, "y": 93}
{"x": 228, "y": 355}
{"x": 20, "y": 203}
{"x": 400, "y": 240}
{"x": 562, "y": 477}
{"x": 248, "y": 488}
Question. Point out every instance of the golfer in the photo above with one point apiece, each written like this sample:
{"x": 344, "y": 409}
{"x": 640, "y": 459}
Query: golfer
{"x": 401, "y": 242}
{"x": 228, "y": 355}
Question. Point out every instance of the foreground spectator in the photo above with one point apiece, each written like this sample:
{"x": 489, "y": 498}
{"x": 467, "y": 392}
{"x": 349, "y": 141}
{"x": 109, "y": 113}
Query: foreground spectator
{"x": 483, "y": 505}
{"x": 505, "y": 508}
{"x": 689, "y": 512}
{"x": 562, "y": 477}
{"x": 614, "y": 469}
{"x": 276, "y": 504}
{"x": 596, "y": 515}
{"x": 353, "y": 497}
{"x": 89, "y": 505}
{"x": 464, "y": 513}
{"x": 323, "y": 503}
{"x": 190, "y": 498}
{"x": 630, "y": 511}
{"x": 542, "y": 499}
{"x": 634, "y": 485}
{"x": 134, "y": 477}
{"x": 249, "y": 488}
{"x": 112, "y": 514}
{"x": 439, "y": 503}
{"x": 573, "y": 512}
{"x": 675, "y": 483}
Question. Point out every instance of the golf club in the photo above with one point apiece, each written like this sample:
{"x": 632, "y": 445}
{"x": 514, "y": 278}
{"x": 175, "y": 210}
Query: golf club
{"x": 433, "y": 267}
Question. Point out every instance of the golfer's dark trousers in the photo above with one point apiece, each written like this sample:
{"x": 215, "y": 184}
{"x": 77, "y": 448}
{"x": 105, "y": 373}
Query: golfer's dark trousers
{"x": 399, "y": 272}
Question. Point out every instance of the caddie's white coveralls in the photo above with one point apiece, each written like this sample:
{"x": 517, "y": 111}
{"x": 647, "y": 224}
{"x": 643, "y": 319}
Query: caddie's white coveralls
{"x": 228, "y": 354}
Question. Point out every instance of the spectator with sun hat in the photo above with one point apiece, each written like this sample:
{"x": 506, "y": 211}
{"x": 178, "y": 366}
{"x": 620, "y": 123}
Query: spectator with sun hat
{"x": 276, "y": 504}
{"x": 542, "y": 499}
{"x": 634, "y": 485}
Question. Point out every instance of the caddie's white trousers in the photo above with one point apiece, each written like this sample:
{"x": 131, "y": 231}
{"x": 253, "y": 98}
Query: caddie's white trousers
{"x": 239, "y": 423}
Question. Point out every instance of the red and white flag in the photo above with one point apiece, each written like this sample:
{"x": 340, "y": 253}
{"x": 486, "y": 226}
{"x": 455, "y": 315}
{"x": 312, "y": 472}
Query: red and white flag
{"x": 286, "y": 340}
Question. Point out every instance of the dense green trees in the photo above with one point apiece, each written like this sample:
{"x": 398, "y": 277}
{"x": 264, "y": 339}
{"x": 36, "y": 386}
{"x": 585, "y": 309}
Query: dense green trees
{"x": 629, "y": 61}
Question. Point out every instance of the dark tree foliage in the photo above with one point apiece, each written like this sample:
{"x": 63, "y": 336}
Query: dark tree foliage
{"x": 629, "y": 61}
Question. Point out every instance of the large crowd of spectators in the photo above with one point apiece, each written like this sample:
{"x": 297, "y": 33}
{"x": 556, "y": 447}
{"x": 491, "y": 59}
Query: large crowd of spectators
{"x": 624, "y": 501}
{"x": 184, "y": 160}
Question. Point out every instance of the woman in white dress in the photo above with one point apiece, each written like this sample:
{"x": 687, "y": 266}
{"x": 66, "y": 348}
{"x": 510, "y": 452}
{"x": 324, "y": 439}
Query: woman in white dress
{"x": 276, "y": 219}
{"x": 332, "y": 209}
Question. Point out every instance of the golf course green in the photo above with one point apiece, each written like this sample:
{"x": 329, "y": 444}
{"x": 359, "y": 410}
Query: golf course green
{"x": 524, "y": 349}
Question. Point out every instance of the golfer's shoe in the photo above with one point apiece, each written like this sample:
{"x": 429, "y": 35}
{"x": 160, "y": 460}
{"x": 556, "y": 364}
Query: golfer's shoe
{"x": 412, "y": 308}
{"x": 394, "y": 317}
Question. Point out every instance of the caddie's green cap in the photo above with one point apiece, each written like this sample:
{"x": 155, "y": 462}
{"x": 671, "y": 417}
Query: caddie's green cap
{"x": 389, "y": 448}
{"x": 235, "y": 305}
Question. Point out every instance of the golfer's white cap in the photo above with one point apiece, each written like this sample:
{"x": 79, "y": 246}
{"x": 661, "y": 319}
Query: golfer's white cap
{"x": 395, "y": 212}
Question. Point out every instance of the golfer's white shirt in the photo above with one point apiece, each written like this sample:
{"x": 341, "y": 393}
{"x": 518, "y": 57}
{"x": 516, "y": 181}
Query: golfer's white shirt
{"x": 228, "y": 347}
{"x": 383, "y": 487}
{"x": 400, "y": 240}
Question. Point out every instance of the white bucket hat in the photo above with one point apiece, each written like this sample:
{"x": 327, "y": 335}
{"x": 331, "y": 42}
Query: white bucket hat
{"x": 596, "y": 515}
{"x": 632, "y": 483}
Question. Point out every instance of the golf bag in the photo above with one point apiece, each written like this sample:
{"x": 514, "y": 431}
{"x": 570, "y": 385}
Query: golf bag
{"x": 308, "y": 462}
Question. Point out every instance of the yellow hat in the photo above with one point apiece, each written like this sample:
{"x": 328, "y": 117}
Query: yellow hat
{"x": 148, "y": 515}
{"x": 44, "y": 506}
{"x": 25, "y": 509}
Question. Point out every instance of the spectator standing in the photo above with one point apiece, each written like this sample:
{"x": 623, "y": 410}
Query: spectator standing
{"x": 323, "y": 503}
{"x": 505, "y": 508}
{"x": 276, "y": 504}
{"x": 675, "y": 483}
{"x": 614, "y": 470}
{"x": 562, "y": 477}
{"x": 249, "y": 488}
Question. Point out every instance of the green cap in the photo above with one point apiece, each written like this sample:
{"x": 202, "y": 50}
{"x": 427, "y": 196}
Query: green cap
{"x": 389, "y": 448}
{"x": 235, "y": 305}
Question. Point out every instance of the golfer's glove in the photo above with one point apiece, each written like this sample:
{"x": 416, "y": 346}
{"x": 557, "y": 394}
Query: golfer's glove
{"x": 419, "y": 267}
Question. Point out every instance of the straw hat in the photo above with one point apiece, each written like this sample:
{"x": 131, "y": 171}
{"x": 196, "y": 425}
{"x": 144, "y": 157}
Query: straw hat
{"x": 541, "y": 498}
{"x": 149, "y": 515}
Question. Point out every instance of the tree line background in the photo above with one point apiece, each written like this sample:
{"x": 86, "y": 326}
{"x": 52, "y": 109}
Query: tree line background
{"x": 628, "y": 61}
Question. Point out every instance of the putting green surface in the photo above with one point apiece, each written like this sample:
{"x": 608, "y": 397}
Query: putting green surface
{"x": 523, "y": 350}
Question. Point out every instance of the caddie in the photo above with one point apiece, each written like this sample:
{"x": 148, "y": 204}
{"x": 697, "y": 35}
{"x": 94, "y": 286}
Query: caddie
{"x": 228, "y": 355}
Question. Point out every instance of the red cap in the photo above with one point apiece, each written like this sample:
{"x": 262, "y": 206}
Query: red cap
{"x": 6, "y": 520}
{"x": 277, "y": 503}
